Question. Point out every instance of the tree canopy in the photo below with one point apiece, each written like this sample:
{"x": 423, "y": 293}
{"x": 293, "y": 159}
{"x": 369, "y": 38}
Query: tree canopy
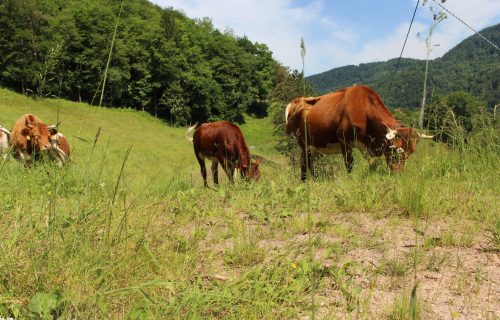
{"x": 180, "y": 69}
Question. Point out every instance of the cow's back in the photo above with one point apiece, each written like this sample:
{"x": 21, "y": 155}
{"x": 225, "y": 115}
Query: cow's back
{"x": 16, "y": 136}
{"x": 221, "y": 137}
{"x": 348, "y": 114}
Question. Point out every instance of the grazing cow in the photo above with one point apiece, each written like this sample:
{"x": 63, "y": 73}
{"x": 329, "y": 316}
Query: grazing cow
{"x": 222, "y": 142}
{"x": 4, "y": 141}
{"x": 30, "y": 138}
{"x": 60, "y": 146}
{"x": 351, "y": 117}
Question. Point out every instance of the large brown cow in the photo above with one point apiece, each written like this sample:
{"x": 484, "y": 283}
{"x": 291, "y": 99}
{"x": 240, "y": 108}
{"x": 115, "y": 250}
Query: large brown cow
{"x": 351, "y": 117}
{"x": 30, "y": 138}
{"x": 222, "y": 142}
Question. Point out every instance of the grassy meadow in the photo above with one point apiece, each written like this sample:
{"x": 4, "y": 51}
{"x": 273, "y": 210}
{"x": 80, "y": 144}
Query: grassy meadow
{"x": 126, "y": 231}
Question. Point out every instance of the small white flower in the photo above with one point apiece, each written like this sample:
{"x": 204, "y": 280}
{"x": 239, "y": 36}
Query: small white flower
{"x": 400, "y": 150}
{"x": 391, "y": 134}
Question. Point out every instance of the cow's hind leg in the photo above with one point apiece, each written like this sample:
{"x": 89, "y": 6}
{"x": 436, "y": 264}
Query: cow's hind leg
{"x": 303, "y": 166}
{"x": 310, "y": 160}
{"x": 215, "y": 170}
{"x": 348, "y": 159}
{"x": 306, "y": 161}
{"x": 203, "y": 169}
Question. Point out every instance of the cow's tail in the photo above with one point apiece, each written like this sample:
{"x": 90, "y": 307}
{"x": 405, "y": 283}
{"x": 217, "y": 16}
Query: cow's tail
{"x": 190, "y": 131}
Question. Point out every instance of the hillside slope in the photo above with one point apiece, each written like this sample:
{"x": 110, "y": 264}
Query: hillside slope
{"x": 157, "y": 149}
{"x": 92, "y": 241}
{"x": 472, "y": 66}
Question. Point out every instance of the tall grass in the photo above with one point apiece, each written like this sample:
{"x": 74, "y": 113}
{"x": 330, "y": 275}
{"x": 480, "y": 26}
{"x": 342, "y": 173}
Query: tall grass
{"x": 131, "y": 233}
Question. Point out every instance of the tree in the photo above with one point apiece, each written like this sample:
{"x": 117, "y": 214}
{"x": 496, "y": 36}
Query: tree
{"x": 455, "y": 115}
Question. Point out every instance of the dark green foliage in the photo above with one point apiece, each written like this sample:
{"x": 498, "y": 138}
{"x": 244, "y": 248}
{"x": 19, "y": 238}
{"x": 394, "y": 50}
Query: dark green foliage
{"x": 288, "y": 85}
{"x": 455, "y": 116}
{"x": 174, "y": 67}
{"x": 472, "y": 66}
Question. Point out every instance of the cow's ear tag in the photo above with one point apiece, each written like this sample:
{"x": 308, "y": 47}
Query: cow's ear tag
{"x": 53, "y": 137}
{"x": 28, "y": 138}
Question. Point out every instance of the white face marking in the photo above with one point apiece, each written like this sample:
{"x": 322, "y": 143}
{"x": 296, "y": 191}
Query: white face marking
{"x": 286, "y": 112}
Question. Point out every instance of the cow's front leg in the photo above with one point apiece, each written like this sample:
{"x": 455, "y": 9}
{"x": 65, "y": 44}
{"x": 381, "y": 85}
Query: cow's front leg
{"x": 215, "y": 171}
{"x": 347, "y": 153}
{"x": 230, "y": 171}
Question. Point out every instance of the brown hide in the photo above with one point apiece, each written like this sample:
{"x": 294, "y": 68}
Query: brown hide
{"x": 350, "y": 117}
{"x": 29, "y": 137}
{"x": 60, "y": 145}
{"x": 223, "y": 142}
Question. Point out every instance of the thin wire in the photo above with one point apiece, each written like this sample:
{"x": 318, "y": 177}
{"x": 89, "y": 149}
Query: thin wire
{"x": 402, "y": 49}
{"x": 465, "y": 24}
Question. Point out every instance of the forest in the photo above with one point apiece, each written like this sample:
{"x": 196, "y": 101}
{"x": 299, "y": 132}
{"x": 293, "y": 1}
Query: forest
{"x": 179, "y": 69}
{"x": 472, "y": 66}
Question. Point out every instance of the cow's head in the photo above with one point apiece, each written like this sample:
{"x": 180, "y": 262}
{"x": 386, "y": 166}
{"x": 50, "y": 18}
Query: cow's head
{"x": 402, "y": 142}
{"x": 35, "y": 135}
{"x": 253, "y": 172}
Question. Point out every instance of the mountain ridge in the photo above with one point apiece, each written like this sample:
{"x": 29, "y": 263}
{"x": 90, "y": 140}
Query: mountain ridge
{"x": 473, "y": 66}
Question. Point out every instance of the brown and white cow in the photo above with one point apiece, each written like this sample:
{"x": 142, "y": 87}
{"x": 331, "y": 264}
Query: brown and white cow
{"x": 351, "y": 117}
{"x": 4, "y": 141}
{"x": 223, "y": 143}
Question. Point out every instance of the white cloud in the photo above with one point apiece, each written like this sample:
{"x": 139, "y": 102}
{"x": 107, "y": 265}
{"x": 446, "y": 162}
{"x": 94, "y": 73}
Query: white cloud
{"x": 279, "y": 24}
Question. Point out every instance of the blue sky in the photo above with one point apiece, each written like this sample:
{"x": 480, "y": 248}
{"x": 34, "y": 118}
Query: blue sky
{"x": 339, "y": 33}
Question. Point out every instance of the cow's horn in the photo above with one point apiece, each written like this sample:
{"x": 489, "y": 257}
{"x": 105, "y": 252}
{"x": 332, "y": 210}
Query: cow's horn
{"x": 424, "y": 136}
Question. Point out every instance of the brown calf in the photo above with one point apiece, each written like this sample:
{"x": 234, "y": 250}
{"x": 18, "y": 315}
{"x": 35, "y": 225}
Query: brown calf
{"x": 222, "y": 142}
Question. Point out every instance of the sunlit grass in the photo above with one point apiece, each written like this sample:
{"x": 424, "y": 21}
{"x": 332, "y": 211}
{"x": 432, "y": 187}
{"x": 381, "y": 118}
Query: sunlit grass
{"x": 85, "y": 241}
